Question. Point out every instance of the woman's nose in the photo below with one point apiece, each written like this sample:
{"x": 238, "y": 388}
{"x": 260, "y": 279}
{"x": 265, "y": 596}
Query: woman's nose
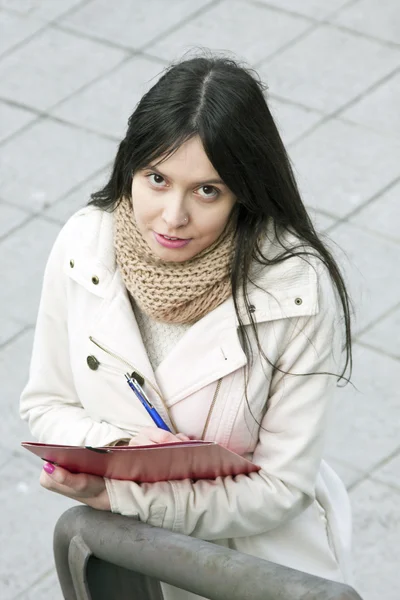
{"x": 175, "y": 215}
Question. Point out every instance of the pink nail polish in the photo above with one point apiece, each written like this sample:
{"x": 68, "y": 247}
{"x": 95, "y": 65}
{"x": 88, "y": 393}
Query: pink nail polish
{"x": 49, "y": 468}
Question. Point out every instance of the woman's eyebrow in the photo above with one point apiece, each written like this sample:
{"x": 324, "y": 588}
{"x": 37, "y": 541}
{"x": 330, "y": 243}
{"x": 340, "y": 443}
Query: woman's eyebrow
{"x": 195, "y": 183}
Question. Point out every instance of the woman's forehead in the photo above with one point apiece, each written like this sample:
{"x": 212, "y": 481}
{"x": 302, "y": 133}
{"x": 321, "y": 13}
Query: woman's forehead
{"x": 189, "y": 162}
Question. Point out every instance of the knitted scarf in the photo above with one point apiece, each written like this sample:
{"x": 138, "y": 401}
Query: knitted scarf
{"x": 173, "y": 292}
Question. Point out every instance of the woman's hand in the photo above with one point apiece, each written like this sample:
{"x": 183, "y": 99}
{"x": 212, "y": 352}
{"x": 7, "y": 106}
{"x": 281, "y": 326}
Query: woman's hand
{"x": 153, "y": 435}
{"x": 88, "y": 489}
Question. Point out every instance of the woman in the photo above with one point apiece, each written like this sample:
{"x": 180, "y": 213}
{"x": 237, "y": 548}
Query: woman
{"x": 197, "y": 266}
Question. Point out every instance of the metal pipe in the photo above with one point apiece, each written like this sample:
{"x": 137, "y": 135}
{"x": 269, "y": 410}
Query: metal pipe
{"x": 194, "y": 565}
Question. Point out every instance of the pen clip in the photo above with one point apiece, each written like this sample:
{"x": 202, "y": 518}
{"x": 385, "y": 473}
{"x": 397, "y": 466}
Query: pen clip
{"x": 133, "y": 381}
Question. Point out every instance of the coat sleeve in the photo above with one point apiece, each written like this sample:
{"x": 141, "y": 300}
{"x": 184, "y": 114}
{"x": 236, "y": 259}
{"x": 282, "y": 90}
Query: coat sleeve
{"x": 49, "y": 401}
{"x": 289, "y": 448}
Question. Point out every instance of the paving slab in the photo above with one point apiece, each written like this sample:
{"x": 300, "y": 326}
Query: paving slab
{"x": 11, "y": 217}
{"x": 378, "y": 110}
{"x": 379, "y": 20}
{"x": 62, "y": 210}
{"x": 326, "y": 69}
{"x": 15, "y": 29}
{"x": 14, "y": 368}
{"x": 43, "y": 163}
{"x": 9, "y": 328}
{"x": 95, "y": 107}
{"x": 47, "y": 588}
{"x": 336, "y": 166}
{"x": 364, "y": 427}
{"x": 367, "y": 261}
{"x": 382, "y": 215}
{"x": 29, "y": 549}
{"x": 385, "y": 334}
{"x": 13, "y": 118}
{"x": 348, "y": 473}
{"x": 20, "y": 292}
{"x": 376, "y": 515}
{"x": 293, "y": 121}
{"x": 50, "y": 67}
{"x": 389, "y": 473}
{"x": 250, "y": 31}
{"x": 41, "y": 9}
{"x": 310, "y": 8}
{"x": 147, "y": 20}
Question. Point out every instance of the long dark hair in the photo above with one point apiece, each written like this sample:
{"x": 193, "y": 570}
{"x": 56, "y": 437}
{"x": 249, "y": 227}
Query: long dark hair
{"x": 223, "y": 103}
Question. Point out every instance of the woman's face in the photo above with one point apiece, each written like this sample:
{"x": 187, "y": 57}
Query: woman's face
{"x": 181, "y": 206}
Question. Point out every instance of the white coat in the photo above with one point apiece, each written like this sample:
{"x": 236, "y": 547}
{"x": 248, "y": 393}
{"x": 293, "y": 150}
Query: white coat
{"x": 295, "y": 510}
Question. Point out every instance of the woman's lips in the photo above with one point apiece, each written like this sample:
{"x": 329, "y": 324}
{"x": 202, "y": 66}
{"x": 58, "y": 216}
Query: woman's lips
{"x": 172, "y": 243}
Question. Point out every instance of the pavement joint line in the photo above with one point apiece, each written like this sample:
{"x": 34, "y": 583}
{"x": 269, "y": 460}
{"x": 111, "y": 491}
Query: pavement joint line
{"x": 77, "y": 186}
{"x": 23, "y": 42}
{"x": 298, "y": 14}
{"x": 10, "y": 232}
{"x": 63, "y": 121}
{"x": 335, "y": 114}
{"x": 15, "y": 104}
{"x": 372, "y": 471}
{"x": 132, "y": 50}
{"x": 286, "y": 46}
{"x": 93, "y": 38}
{"x": 346, "y": 218}
{"x": 285, "y": 11}
{"x": 182, "y": 23}
{"x": 22, "y": 129}
{"x": 88, "y": 84}
{"x": 268, "y": 59}
{"x": 15, "y": 336}
{"x": 374, "y": 86}
{"x": 45, "y": 575}
{"x": 366, "y": 36}
{"x": 389, "y": 484}
{"x": 294, "y": 103}
{"x": 17, "y": 206}
{"x": 368, "y": 127}
{"x": 378, "y": 350}
{"x": 386, "y": 314}
{"x": 41, "y": 30}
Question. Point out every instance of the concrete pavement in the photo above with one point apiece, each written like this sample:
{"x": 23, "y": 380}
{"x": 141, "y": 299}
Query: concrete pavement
{"x": 71, "y": 72}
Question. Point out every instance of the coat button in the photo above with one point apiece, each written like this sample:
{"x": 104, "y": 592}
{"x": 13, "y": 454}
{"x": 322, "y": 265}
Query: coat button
{"x": 95, "y": 279}
{"x": 72, "y": 263}
{"x": 252, "y": 308}
{"x": 298, "y": 301}
{"x": 92, "y": 362}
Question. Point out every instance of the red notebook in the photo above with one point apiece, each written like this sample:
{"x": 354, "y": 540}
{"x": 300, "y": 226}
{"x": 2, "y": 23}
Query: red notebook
{"x": 147, "y": 464}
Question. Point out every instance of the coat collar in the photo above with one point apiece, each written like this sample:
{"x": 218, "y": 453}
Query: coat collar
{"x": 212, "y": 345}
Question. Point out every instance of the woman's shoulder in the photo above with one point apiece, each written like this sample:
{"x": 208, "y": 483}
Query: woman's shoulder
{"x": 89, "y": 220}
{"x": 293, "y": 274}
{"x": 88, "y": 228}
{"x": 86, "y": 237}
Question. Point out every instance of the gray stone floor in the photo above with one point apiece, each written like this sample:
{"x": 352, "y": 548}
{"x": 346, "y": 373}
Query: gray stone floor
{"x": 71, "y": 72}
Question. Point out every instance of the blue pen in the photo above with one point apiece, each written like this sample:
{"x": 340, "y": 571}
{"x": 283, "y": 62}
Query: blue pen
{"x": 137, "y": 388}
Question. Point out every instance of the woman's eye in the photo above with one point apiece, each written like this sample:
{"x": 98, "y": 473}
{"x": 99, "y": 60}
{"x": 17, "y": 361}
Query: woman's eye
{"x": 156, "y": 180}
{"x": 208, "y": 191}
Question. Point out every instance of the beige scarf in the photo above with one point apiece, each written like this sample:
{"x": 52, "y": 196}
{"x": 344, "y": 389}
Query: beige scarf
{"x": 173, "y": 292}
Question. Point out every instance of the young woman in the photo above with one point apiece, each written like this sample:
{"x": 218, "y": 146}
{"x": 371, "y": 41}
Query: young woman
{"x": 198, "y": 268}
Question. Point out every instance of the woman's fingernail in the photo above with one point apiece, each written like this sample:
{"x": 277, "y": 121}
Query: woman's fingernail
{"x": 49, "y": 468}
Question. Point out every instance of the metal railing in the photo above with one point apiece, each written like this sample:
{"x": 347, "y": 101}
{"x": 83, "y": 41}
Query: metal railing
{"x": 100, "y": 555}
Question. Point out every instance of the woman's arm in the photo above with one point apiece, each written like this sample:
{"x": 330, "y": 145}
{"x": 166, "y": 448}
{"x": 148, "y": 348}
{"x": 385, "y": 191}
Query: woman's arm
{"x": 289, "y": 449}
{"x": 49, "y": 401}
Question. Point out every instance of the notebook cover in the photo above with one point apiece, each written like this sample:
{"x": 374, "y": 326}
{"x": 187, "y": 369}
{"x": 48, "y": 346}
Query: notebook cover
{"x": 147, "y": 464}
